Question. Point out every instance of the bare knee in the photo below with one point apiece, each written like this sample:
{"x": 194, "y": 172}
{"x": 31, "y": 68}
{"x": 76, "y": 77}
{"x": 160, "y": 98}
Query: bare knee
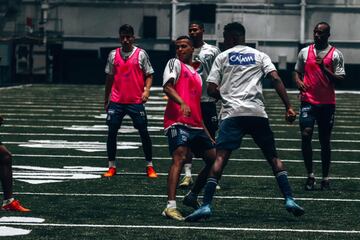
{"x": 306, "y": 133}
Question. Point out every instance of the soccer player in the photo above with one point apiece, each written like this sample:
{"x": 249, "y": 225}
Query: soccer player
{"x": 128, "y": 81}
{"x": 318, "y": 68}
{"x": 9, "y": 203}
{"x": 183, "y": 125}
{"x": 203, "y": 58}
{"x": 235, "y": 78}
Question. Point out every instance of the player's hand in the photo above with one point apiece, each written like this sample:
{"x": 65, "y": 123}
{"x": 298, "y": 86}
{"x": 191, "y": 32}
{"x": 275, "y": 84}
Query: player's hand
{"x": 1, "y": 120}
{"x": 301, "y": 86}
{"x": 145, "y": 95}
{"x": 290, "y": 115}
{"x": 185, "y": 110}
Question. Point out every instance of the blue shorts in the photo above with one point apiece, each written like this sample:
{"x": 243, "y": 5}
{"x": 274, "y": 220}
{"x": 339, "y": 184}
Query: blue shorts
{"x": 196, "y": 139}
{"x": 233, "y": 129}
{"x": 116, "y": 113}
{"x": 323, "y": 114}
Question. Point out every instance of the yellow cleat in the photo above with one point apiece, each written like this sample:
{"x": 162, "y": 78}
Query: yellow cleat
{"x": 173, "y": 213}
{"x": 186, "y": 182}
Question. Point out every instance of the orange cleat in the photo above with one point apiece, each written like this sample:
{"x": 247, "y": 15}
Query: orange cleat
{"x": 150, "y": 172}
{"x": 110, "y": 173}
{"x": 15, "y": 206}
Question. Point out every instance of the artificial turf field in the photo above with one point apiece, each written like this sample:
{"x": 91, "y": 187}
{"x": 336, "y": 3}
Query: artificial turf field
{"x": 57, "y": 136}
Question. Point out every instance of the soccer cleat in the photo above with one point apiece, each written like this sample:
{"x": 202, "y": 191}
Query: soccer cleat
{"x": 325, "y": 185}
{"x": 186, "y": 182}
{"x": 110, "y": 173}
{"x": 191, "y": 201}
{"x": 292, "y": 207}
{"x": 150, "y": 172}
{"x": 310, "y": 184}
{"x": 173, "y": 213}
{"x": 15, "y": 206}
{"x": 203, "y": 212}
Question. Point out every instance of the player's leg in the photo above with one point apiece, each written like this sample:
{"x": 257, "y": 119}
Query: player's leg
{"x": 306, "y": 122}
{"x": 325, "y": 122}
{"x": 115, "y": 114}
{"x": 6, "y": 177}
{"x": 229, "y": 139}
{"x": 178, "y": 137}
{"x": 138, "y": 115}
{"x": 187, "y": 180}
{"x": 264, "y": 138}
{"x": 202, "y": 146}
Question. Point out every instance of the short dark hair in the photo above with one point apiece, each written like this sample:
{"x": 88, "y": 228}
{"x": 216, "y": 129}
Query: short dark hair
{"x": 324, "y": 23}
{"x": 185, "y": 37}
{"x": 197, "y": 22}
{"x": 127, "y": 29}
{"x": 235, "y": 27}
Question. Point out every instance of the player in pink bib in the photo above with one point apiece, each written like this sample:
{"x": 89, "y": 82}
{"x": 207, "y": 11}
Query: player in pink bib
{"x": 318, "y": 68}
{"x": 128, "y": 82}
{"x": 184, "y": 126}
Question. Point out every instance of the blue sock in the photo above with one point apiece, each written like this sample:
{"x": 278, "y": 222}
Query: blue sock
{"x": 284, "y": 185}
{"x": 209, "y": 192}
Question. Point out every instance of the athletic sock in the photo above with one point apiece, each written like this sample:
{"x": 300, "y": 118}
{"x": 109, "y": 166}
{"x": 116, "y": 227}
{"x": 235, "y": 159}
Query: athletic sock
{"x": 7, "y": 201}
{"x": 112, "y": 164}
{"x": 187, "y": 168}
{"x": 311, "y": 175}
{"x": 283, "y": 182}
{"x": 210, "y": 189}
{"x": 171, "y": 204}
{"x": 149, "y": 164}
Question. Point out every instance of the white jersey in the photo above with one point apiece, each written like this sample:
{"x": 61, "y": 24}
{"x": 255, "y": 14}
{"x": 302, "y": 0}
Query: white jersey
{"x": 238, "y": 72}
{"x": 206, "y": 55}
{"x": 173, "y": 70}
{"x": 144, "y": 61}
{"x": 338, "y": 60}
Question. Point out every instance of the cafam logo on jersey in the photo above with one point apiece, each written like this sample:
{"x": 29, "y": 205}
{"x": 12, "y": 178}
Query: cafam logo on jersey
{"x": 236, "y": 58}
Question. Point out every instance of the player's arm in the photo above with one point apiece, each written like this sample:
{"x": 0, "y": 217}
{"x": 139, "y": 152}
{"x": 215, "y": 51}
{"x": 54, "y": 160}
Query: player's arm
{"x": 328, "y": 73}
{"x": 148, "y": 84}
{"x": 298, "y": 79}
{"x": 148, "y": 72}
{"x": 170, "y": 91}
{"x": 281, "y": 91}
{"x": 213, "y": 90}
{"x": 108, "y": 85}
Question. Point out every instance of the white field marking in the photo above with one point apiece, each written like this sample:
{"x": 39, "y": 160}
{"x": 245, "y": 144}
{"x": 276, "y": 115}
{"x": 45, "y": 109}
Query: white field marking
{"x": 36, "y": 182}
{"x": 10, "y": 231}
{"x": 70, "y": 174}
{"x": 97, "y": 146}
{"x": 336, "y": 91}
{"x": 232, "y": 229}
{"x": 15, "y": 87}
{"x": 84, "y": 146}
{"x": 92, "y": 115}
{"x": 168, "y": 158}
{"x": 124, "y": 128}
{"x": 150, "y": 128}
{"x": 22, "y": 219}
{"x": 153, "y": 136}
{"x": 181, "y": 196}
{"x": 67, "y": 169}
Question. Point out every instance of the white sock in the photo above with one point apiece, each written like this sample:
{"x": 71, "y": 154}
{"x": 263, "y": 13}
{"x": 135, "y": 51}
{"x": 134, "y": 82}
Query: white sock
{"x": 149, "y": 164}
{"x": 187, "y": 168}
{"x": 112, "y": 164}
{"x": 171, "y": 204}
{"x": 311, "y": 175}
{"x": 7, "y": 201}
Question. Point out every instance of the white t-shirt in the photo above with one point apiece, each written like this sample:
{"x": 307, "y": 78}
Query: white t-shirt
{"x": 144, "y": 61}
{"x": 338, "y": 60}
{"x": 173, "y": 70}
{"x": 206, "y": 55}
{"x": 238, "y": 72}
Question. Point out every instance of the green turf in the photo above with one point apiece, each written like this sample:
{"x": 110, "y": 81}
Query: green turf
{"x": 129, "y": 205}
